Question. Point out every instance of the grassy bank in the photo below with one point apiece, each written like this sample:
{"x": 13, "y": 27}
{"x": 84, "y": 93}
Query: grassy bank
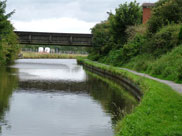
{"x": 168, "y": 66}
{"x": 34, "y": 55}
{"x": 159, "y": 112}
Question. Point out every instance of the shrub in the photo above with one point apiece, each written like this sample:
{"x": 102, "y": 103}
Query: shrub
{"x": 94, "y": 55}
{"x": 113, "y": 58}
{"x": 168, "y": 66}
{"x": 140, "y": 62}
{"x": 163, "y": 41}
{"x": 133, "y": 47}
{"x": 102, "y": 41}
{"x": 165, "y": 12}
{"x": 132, "y": 31}
{"x": 118, "y": 57}
{"x": 101, "y": 34}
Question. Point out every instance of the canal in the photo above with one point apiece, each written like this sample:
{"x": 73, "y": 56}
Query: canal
{"x": 44, "y": 97}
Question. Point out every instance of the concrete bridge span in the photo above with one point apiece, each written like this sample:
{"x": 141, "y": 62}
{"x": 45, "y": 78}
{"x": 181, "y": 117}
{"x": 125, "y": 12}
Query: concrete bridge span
{"x": 58, "y": 39}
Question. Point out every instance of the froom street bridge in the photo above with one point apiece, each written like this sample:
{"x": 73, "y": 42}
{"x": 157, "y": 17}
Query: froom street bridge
{"x": 58, "y": 39}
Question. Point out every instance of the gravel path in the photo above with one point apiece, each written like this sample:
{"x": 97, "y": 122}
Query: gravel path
{"x": 175, "y": 86}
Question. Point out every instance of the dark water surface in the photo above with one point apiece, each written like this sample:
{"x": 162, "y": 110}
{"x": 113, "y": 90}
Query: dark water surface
{"x": 46, "y": 97}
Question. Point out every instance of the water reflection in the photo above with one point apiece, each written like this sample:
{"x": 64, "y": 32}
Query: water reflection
{"x": 113, "y": 98}
{"x": 58, "y": 97}
{"x": 49, "y": 69}
{"x": 7, "y": 83}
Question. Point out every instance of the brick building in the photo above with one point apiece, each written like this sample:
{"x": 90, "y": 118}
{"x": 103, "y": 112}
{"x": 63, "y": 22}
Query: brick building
{"x": 147, "y": 11}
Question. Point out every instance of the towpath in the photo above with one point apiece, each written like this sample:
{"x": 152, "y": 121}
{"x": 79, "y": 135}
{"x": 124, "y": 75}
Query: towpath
{"x": 175, "y": 86}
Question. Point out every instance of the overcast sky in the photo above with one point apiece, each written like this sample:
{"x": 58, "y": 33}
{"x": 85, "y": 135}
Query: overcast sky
{"x": 72, "y": 16}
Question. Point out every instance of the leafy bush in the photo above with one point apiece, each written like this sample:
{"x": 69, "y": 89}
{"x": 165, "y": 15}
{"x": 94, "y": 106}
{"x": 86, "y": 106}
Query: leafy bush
{"x": 164, "y": 40}
{"x": 133, "y": 47}
{"x": 132, "y": 31}
{"x": 101, "y": 34}
{"x": 140, "y": 62}
{"x": 94, "y": 55}
{"x": 102, "y": 42}
{"x": 113, "y": 58}
{"x": 169, "y": 66}
{"x": 165, "y": 12}
{"x": 118, "y": 57}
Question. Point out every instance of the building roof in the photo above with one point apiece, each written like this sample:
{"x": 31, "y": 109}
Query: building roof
{"x": 148, "y": 5}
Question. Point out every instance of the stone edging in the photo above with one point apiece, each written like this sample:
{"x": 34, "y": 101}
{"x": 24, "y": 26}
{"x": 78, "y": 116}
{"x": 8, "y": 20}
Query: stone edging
{"x": 126, "y": 83}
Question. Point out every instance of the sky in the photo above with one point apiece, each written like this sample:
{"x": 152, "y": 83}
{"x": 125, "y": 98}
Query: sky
{"x": 64, "y": 16}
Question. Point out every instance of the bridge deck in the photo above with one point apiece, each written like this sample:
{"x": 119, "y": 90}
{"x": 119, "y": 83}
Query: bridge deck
{"x": 59, "y": 39}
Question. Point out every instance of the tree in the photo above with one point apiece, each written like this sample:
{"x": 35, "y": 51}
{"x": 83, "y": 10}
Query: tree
{"x": 8, "y": 39}
{"x": 111, "y": 34}
{"x": 102, "y": 42}
{"x": 126, "y": 15}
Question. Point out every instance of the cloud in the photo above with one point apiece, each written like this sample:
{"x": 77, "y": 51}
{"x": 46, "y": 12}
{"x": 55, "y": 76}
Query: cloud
{"x": 87, "y": 12}
{"x": 66, "y": 25}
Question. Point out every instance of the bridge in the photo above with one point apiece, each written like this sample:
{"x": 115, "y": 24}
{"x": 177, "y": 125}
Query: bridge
{"x": 58, "y": 39}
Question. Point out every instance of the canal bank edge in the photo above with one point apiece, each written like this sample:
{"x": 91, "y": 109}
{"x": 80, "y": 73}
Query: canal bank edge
{"x": 159, "y": 112}
{"x": 124, "y": 81}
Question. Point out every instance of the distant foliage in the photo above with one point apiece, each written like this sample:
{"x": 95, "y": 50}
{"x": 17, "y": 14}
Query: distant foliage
{"x": 8, "y": 39}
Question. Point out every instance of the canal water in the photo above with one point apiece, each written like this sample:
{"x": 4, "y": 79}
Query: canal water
{"x": 44, "y": 97}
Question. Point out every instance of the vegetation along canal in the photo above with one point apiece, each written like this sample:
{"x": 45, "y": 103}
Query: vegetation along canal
{"x": 44, "y": 97}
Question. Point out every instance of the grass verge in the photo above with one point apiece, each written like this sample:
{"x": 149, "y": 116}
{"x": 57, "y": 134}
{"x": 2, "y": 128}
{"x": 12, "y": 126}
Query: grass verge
{"x": 167, "y": 66}
{"x": 159, "y": 112}
{"x": 34, "y": 55}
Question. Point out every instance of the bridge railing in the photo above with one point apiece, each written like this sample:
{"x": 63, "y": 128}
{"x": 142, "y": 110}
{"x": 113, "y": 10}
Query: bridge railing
{"x": 61, "y": 39}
